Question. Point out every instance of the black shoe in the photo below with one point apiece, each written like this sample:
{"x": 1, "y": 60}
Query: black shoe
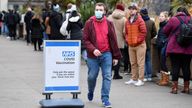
{"x": 117, "y": 77}
{"x": 90, "y": 96}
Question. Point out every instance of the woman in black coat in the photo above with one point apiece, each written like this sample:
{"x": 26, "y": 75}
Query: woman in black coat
{"x": 37, "y": 30}
{"x": 74, "y": 28}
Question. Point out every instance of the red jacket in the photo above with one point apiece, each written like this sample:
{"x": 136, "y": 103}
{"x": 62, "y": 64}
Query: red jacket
{"x": 136, "y": 31}
{"x": 89, "y": 39}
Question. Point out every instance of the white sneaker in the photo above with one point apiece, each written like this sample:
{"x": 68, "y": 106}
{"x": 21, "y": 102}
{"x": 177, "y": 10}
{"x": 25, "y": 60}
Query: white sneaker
{"x": 139, "y": 83}
{"x": 149, "y": 79}
{"x": 131, "y": 81}
{"x": 145, "y": 79}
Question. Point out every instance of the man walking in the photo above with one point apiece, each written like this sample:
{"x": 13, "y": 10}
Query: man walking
{"x": 101, "y": 45}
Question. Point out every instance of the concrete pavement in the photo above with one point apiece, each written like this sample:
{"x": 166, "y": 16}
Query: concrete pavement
{"x": 22, "y": 81}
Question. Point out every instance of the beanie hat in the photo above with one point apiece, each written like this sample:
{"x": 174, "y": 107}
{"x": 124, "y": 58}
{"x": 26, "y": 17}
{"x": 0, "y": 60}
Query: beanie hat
{"x": 120, "y": 6}
{"x": 144, "y": 11}
{"x": 56, "y": 8}
{"x": 73, "y": 8}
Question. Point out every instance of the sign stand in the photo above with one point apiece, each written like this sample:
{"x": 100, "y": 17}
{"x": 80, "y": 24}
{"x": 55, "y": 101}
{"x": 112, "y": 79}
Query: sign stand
{"x": 60, "y": 56}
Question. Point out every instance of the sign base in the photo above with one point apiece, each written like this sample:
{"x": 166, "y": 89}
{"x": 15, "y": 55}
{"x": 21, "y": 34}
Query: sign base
{"x": 64, "y": 103}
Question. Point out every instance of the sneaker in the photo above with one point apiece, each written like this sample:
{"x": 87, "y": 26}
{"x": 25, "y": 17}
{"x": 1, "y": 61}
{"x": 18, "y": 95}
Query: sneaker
{"x": 90, "y": 96}
{"x": 131, "y": 81}
{"x": 149, "y": 79}
{"x": 139, "y": 83}
{"x": 145, "y": 79}
{"x": 107, "y": 104}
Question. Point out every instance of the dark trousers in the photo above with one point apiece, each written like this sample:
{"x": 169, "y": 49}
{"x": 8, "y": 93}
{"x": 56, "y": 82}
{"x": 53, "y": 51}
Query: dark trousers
{"x": 0, "y": 30}
{"x": 180, "y": 61}
{"x": 12, "y": 31}
{"x": 117, "y": 67}
{"x": 126, "y": 60}
{"x": 37, "y": 41}
{"x": 162, "y": 58}
{"x": 28, "y": 36}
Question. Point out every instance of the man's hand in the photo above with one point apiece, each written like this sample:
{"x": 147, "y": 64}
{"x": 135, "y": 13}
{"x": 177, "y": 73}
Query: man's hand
{"x": 97, "y": 53}
{"x": 115, "y": 61}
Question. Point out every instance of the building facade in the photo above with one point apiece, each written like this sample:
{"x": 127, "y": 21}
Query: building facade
{"x": 3, "y": 5}
{"x": 16, "y": 4}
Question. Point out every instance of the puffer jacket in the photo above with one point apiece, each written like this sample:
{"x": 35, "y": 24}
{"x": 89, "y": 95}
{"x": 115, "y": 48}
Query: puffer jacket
{"x": 135, "y": 31}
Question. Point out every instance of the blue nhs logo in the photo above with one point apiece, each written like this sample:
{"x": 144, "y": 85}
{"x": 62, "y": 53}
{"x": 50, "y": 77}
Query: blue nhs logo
{"x": 68, "y": 53}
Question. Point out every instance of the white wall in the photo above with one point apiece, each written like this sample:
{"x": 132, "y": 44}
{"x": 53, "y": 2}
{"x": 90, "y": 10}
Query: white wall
{"x": 3, "y": 5}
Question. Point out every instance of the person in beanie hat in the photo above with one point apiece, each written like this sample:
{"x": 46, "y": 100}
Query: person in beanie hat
{"x": 118, "y": 19}
{"x": 151, "y": 33}
{"x": 120, "y": 6}
{"x": 55, "y": 22}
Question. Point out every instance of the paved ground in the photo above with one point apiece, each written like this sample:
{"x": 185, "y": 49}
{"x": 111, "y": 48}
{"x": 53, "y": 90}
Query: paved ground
{"x": 21, "y": 84}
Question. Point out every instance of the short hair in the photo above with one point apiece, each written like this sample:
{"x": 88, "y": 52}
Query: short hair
{"x": 69, "y": 5}
{"x": 101, "y": 4}
{"x": 183, "y": 9}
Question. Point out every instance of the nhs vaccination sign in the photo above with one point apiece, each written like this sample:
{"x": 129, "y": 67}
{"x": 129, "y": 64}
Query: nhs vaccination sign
{"x": 62, "y": 65}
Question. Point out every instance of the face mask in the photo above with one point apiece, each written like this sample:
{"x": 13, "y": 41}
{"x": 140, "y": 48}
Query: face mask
{"x": 99, "y": 14}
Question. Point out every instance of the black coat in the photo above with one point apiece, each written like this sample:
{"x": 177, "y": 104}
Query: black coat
{"x": 55, "y": 22}
{"x": 36, "y": 29}
{"x": 27, "y": 19}
{"x": 161, "y": 37}
{"x": 74, "y": 27}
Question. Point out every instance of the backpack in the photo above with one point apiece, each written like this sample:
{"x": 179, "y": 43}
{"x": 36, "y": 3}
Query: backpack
{"x": 63, "y": 29}
{"x": 184, "y": 38}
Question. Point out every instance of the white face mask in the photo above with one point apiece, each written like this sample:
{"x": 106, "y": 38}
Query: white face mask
{"x": 99, "y": 14}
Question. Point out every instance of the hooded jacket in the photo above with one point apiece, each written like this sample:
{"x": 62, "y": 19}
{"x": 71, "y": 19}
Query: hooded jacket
{"x": 74, "y": 27}
{"x": 118, "y": 19}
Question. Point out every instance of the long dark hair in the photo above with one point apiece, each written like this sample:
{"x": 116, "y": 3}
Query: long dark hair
{"x": 183, "y": 9}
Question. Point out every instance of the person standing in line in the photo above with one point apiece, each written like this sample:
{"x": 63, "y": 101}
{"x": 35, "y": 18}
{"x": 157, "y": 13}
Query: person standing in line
{"x": 75, "y": 27}
{"x": 37, "y": 32}
{"x": 100, "y": 41}
{"x": 118, "y": 19}
{"x": 55, "y": 21}
{"x": 180, "y": 56}
{"x": 135, "y": 36}
{"x": 27, "y": 19}
{"x": 11, "y": 23}
{"x": 161, "y": 42}
{"x": 1, "y": 21}
{"x": 151, "y": 33}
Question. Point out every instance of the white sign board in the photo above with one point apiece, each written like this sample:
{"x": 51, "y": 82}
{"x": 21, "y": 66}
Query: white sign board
{"x": 62, "y": 65}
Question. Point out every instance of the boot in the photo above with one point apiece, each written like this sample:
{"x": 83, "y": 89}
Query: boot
{"x": 164, "y": 79}
{"x": 174, "y": 87}
{"x": 186, "y": 87}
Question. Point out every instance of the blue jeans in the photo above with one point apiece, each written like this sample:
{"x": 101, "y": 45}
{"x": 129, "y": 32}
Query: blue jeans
{"x": 162, "y": 57}
{"x": 148, "y": 69}
{"x": 105, "y": 62}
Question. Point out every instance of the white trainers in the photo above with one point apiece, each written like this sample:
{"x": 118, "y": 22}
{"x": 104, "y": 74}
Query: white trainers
{"x": 145, "y": 79}
{"x": 139, "y": 83}
{"x": 131, "y": 81}
{"x": 149, "y": 79}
